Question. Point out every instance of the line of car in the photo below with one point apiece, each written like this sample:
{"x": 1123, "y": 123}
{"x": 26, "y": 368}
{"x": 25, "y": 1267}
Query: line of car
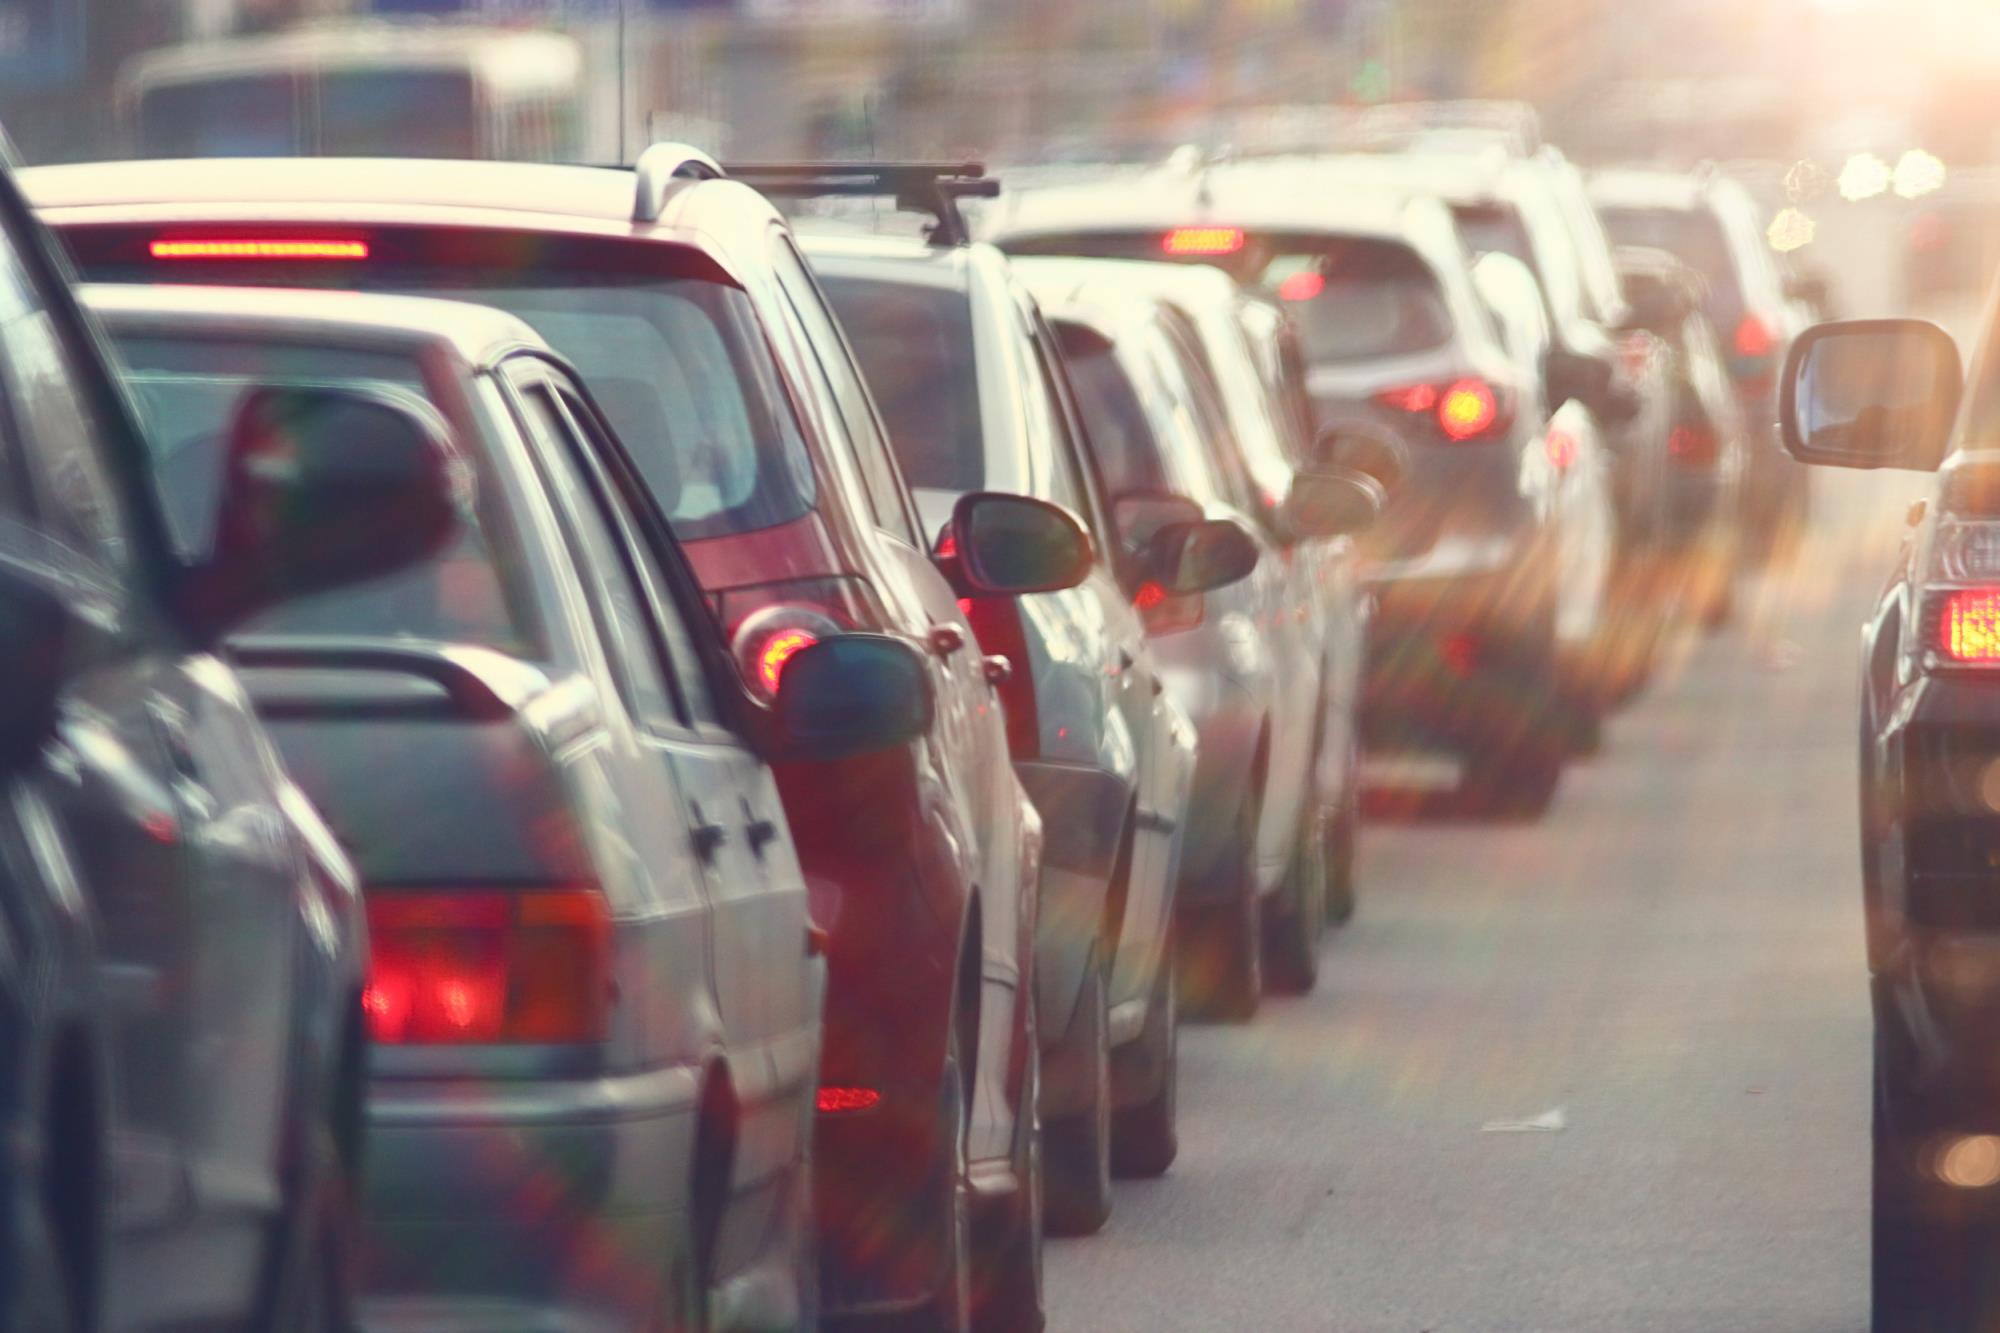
{"x": 586, "y": 748}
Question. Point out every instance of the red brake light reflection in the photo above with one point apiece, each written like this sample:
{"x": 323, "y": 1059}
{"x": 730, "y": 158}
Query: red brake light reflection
{"x": 1203, "y": 241}
{"x": 834, "y": 1101}
{"x": 1969, "y": 629}
{"x": 274, "y": 249}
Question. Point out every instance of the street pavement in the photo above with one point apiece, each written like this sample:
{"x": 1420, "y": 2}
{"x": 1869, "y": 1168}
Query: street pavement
{"x": 1663, "y": 979}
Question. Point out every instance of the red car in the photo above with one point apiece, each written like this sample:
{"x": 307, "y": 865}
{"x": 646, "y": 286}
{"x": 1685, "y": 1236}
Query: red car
{"x": 681, "y": 297}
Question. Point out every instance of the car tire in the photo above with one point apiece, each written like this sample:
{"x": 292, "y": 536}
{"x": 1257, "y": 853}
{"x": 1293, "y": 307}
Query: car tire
{"x": 314, "y": 1290}
{"x": 1932, "y": 1257}
{"x": 1145, "y": 1137}
{"x": 1222, "y": 946}
{"x": 1296, "y": 917}
{"x": 1519, "y": 781}
{"x": 948, "y": 1309}
{"x": 1007, "y": 1283}
{"x": 1076, "y": 1148}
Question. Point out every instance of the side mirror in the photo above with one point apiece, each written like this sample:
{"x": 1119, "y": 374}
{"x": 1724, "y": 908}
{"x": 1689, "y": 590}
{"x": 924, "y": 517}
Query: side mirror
{"x": 324, "y": 487}
{"x": 1871, "y": 393}
{"x": 1333, "y": 503}
{"x": 1581, "y": 376}
{"x": 1009, "y": 545}
{"x": 1370, "y": 450}
{"x": 850, "y": 694}
{"x": 1185, "y": 558}
{"x": 40, "y": 621}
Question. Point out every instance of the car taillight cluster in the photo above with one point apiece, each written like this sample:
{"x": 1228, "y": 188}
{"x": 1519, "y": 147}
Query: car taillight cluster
{"x": 1961, "y": 620}
{"x": 1463, "y": 410}
{"x": 488, "y": 967}
{"x": 770, "y": 624}
{"x": 1969, "y": 626}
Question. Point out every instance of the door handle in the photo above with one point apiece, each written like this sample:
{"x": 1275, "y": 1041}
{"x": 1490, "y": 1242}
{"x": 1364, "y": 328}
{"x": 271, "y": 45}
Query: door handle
{"x": 762, "y": 832}
{"x": 709, "y": 838}
{"x": 946, "y": 640}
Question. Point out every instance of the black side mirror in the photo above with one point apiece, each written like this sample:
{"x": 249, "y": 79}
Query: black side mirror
{"x": 851, "y": 694}
{"x": 1370, "y": 450}
{"x": 40, "y": 622}
{"x": 324, "y": 487}
{"x": 1010, "y": 545}
{"x": 1871, "y": 393}
{"x": 1337, "y": 502}
{"x": 1185, "y": 558}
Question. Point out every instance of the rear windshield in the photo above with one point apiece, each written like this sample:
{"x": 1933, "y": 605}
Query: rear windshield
{"x": 396, "y": 113}
{"x": 677, "y": 360}
{"x": 241, "y": 117}
{"x": 188, "y": 389}
{"x": 916, "y": 351}
{"x": 1697, "y": 239}
{"x": 1353, "y": 298}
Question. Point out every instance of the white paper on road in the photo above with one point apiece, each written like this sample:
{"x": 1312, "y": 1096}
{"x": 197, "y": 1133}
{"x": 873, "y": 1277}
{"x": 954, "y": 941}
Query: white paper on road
{"x": 1552, "y": 1121}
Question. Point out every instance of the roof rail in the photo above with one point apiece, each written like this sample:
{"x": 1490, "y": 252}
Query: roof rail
{"x": 659, "y": 167}
{"x": 917, "y": 187}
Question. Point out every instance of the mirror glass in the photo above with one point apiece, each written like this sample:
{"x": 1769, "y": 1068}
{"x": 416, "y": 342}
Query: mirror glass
{"x": 852, "y": 693}
{"x": 1875, "y": 394}
{"x": 1199, "y": 557}
{"x": 1332, "y": 503}
{"x": 1012, "y": 544}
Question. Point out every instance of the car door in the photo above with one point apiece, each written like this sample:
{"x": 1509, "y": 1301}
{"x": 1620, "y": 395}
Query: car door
{"x": 759, "y": 931}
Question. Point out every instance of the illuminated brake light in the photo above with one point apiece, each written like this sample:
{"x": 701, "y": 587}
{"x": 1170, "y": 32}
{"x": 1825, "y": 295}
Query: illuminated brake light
{"x": 1304, "y": 286}
{"x": 1969, "y": 628}
{"x": 776, "y": 651}
{"x": 1468, "y": 408}
{"x": 767, "y": 641}
{"x": 271, "y": 249}
{"x": 1203, "y": 241}
{"x": 1753, "y": 339}
{"x": 837, "y": 1101}
{"x": 488, "y": 968}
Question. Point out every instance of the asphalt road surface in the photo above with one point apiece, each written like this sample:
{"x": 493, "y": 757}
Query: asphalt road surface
{"x": 1664, "y": 977}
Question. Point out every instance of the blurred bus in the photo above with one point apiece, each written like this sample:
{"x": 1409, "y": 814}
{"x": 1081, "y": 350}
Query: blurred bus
{"x": 366, "y": 90}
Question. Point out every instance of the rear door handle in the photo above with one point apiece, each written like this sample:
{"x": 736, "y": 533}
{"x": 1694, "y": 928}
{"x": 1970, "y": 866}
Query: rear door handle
{"x": 761, "y": 832}
{"x": 946, "y": 640}
{"x": 709, "y": 838}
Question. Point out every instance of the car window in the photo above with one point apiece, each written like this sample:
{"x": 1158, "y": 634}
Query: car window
{"x": 188, "y": 388}
{"x": 850, "y": 394}
{"x": 58, "y": 429}
{"x": 683, "y": 655}
{"x": 616, "y": 600}
{"x": 250, "y": 116}
{"x": 915, "y": 345}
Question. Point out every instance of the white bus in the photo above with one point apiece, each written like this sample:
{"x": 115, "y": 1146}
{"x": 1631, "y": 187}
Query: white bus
{"x": 360, "y": 89}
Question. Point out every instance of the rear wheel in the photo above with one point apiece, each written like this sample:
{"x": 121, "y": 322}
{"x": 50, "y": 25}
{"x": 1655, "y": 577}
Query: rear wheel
{"x": 1222, "y": 945}
{"x": 1145, "y": 1137}
{"x": 1076, "y": 1148}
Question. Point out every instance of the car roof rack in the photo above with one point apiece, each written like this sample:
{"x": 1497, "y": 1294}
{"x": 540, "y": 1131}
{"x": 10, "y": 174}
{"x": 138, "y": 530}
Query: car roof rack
{"x": 917, "y": 187}
{"x": 659, "y": 167}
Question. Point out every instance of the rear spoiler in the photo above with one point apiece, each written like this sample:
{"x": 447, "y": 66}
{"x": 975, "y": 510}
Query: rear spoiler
{"x": 932, "y": 188}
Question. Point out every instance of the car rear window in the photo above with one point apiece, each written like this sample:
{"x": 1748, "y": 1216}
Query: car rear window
{"x": 916, "y": 350}
{"x": 253, "y": 116}
{"x": 672, "y": 351}
{"x": 188, "y": 387}
{"x": 1697, "y": 239}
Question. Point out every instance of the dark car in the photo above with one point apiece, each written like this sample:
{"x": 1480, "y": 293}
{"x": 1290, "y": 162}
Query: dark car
{"x": 973, "y": 390}
{"x": 1268, "y": 847}
{"x": 1886, "y": 394}
{"x": 1712, "y": 224}
{"x": 713, "y": 354}
{"x": 1484, "y": 602}
{"x": 597, "y": 950}
{"x": 181, "y": 985}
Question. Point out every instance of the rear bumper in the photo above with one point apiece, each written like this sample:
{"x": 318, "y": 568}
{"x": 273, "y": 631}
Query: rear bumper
{"x": 537, "y": 1205}
{"x": 1455, "y": 662}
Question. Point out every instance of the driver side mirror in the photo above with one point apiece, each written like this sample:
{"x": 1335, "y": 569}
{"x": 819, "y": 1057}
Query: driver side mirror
{"x": 1336, "y": 502}
{"x": 851, "y": 694}
{"x": 1371, "y": 450}
{"x": 324, "y": 487}
{"x": 1185, "y": 558}
{"x": 1871, "y": 393}
{"x": 1012, "y": 545}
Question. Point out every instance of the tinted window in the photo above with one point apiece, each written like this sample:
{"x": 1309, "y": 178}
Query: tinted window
{"x": 396, "y": 113}
{"x": 247, "y": 117}
{"x": 187, "y": 391}
{"x": 1121, "y": 436}
{"x": 916, "y": 351}
{"x": 1697, "y": 239}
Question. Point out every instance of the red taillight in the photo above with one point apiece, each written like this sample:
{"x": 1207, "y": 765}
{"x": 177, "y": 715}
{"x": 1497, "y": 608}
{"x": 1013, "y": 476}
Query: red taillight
{"x": 1203, "y": 241}
{"x": 272, "y": 248}
{"x": 1969, "y": 626}
{"x": 487, "y": 968}
{"x": 778, "y": 648}
{"x": 770, "y": 625}
{"x": 837, "y": 1101}
{"x": 1468, "y": 409}
{"x": 1753, "y": 338}
{"x": 1301, "y": 286}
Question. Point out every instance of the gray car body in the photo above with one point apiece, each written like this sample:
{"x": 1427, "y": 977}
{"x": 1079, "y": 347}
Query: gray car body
{"x": 1112, "y": 757}
{"x": 714, "y": 993}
